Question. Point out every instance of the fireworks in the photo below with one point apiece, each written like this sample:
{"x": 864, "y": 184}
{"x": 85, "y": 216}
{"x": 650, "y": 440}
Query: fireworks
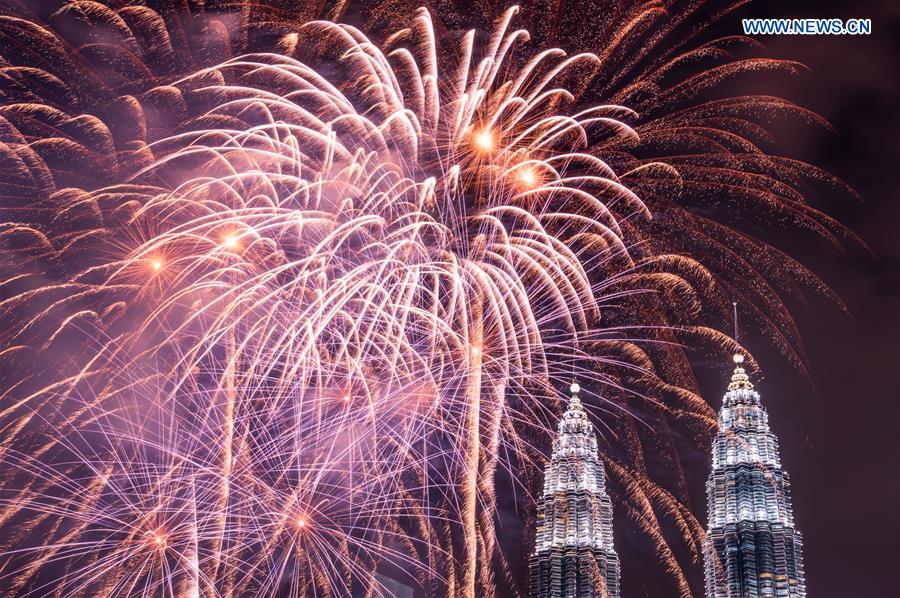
{"x": 315, "y": 303}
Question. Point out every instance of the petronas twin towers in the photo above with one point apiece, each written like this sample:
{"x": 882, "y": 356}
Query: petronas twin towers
{"x": 752, "y": 547}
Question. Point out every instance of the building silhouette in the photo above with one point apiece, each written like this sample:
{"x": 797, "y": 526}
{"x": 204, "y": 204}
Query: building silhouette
{"x": 752, "y": 547}
{"x": 574, "y": 555}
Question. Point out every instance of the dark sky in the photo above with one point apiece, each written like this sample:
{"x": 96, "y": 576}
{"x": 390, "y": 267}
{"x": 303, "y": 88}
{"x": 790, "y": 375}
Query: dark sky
{"x": 839, "y": 440}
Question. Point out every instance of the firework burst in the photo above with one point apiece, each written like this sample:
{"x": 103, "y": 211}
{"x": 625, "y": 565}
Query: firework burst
{"x": 307, "y": 304}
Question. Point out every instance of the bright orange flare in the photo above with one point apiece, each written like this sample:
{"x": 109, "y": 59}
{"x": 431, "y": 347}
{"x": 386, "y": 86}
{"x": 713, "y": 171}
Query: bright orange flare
{"x": 528, "y": 177}
{"x": 484, "y": 140}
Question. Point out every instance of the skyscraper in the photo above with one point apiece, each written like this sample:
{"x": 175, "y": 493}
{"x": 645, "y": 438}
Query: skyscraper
{"x": 574, "y": 555}
{"x": 752, "y": 548}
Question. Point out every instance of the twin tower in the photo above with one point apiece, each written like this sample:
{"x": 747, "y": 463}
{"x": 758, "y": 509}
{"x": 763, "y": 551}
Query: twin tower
{"x": 752, "y": 549}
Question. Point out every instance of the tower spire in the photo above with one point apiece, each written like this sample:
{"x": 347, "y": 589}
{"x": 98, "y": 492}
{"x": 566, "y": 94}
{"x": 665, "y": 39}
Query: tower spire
{"x": 736, "y": 331}
{"x": 739, "y": 379}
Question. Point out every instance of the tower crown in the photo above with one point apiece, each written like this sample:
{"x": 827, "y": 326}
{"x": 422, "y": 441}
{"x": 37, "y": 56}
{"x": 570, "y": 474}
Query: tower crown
{"x": 739, "y": 379}
{"x": 575, "y": 419}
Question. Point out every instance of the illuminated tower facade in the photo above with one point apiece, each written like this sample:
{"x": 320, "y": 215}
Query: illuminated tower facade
{"x": 752, "y": 547}
{"x": 574, "y": 555}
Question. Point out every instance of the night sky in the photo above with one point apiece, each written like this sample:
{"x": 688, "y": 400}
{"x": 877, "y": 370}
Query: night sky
{"x": 839, "y": 431}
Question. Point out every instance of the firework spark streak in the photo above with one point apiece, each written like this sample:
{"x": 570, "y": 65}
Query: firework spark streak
{"x": 305, "y": 328}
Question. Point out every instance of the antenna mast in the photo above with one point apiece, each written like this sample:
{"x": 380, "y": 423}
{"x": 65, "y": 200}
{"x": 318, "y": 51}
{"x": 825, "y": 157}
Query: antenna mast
{"x": 734, "y": 305}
